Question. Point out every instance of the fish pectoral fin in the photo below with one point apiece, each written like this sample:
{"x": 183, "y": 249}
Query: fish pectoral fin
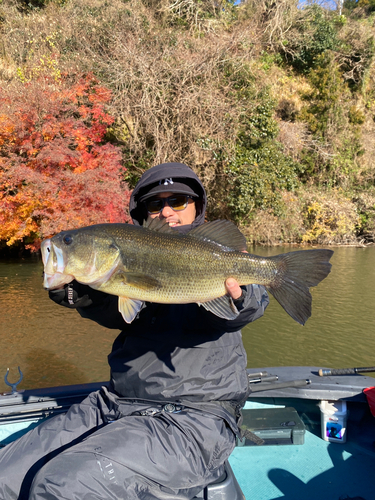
{"x": 223, "y": 307}
{"x": 129, "y": 308}
{"x": 139, "y": 280}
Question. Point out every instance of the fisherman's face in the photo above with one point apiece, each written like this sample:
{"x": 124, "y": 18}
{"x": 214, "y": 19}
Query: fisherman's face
{"x": 180, "y": 218}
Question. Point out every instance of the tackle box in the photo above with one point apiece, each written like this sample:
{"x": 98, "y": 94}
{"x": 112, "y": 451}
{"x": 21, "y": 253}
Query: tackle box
{"x": 274, "y": 426}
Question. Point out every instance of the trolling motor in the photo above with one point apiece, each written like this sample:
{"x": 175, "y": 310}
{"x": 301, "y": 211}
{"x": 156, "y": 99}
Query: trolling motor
{"x": 14, "y": 385}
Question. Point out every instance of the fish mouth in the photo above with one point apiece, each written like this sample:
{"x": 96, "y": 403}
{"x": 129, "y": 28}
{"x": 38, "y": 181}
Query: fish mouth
{"x": 54, "y": 266}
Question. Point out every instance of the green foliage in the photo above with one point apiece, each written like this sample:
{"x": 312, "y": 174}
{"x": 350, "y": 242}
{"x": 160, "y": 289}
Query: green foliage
{"x": 328, "y": 90}
{"x": 367, "y": 5}
{"x": 269, "y": 59}
{"x": 344, "y": 168}
{"x": 334, "y": 122}
{"x": 356, "y": 116}
{"x": 136, "y": 166}
{"x": 256, "y": 169}
{"x": 257, "y": 123}
{"x": 315, "y": 33}
{"x": 257, "y": 177}
{"x": 365, "y": 203}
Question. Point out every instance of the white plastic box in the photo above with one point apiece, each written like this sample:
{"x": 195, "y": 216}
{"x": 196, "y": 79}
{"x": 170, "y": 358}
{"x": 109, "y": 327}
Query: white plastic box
{"x": 333, "y": 420}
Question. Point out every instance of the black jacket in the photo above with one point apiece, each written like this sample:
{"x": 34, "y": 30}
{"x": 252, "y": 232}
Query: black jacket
{"x": 174, "y": 352}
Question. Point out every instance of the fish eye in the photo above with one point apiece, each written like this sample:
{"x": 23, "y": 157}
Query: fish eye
{"x": 67, "y": 239}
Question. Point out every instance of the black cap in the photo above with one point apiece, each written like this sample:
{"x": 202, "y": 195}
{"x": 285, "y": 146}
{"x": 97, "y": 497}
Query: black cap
{"x": 183, "y": 186}
{"x": 184, "y": 180}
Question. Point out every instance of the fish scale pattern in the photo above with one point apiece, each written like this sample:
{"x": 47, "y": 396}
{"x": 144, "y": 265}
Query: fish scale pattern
{"x": 187, "y": 269}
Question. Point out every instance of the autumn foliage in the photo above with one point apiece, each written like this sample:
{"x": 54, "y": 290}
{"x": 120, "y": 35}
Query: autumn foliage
{"x": 56, "y": 171}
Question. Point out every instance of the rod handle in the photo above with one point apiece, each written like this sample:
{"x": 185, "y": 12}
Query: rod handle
{"x": 346, "y": 371}
{"x": 257, "y": 375}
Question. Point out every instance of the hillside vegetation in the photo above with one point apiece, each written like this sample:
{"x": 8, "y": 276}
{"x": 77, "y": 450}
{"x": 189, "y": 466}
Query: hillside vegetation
{"x": 272, "y": 105}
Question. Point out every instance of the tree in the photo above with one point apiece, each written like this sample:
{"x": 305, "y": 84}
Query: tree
{"x": 55, "y": 170}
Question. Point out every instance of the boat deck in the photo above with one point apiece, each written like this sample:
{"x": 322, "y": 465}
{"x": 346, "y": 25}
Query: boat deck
{"x": 315, "y": 470}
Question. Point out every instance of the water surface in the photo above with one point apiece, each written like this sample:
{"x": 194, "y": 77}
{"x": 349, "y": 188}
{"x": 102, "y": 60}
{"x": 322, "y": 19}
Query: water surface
{"x": 341, "y": 330}
{"x": 53, "y": 345}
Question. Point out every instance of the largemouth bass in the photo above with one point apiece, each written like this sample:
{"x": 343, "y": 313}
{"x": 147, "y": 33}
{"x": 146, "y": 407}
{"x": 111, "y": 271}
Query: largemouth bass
{"x": 156, "y": 264}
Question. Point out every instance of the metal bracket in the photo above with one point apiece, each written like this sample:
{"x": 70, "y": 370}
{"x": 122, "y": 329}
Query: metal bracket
{"x": 13, "y": 386}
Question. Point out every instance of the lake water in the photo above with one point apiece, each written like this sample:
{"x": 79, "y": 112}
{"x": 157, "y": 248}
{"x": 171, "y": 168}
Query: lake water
{"x": 55, "y": 346}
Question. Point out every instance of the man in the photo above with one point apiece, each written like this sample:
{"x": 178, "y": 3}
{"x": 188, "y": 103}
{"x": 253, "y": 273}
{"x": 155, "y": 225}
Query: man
{"x": 168, "y": 420}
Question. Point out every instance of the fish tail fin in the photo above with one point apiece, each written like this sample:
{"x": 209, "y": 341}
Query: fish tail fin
{"x": 297, "y": 272}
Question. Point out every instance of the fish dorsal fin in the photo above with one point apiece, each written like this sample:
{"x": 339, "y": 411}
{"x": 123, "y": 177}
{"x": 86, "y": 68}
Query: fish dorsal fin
{"x": 138, "y": 280}
{"x": 222, "y": 232}
{"x": 129, "y": 308}
{"x": 222, "y": 307}
{"x": 160, "y": 225}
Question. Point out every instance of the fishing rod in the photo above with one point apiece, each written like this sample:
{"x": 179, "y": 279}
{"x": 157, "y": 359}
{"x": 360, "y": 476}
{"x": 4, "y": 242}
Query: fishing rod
{"x": 346, "y": 371}
{"x": 282, "y": 385}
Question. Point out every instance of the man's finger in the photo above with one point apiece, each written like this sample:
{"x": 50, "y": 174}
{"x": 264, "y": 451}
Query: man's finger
{"x": 233, "y": 288}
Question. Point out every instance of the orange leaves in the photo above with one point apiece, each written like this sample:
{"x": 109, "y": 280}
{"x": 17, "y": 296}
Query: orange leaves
{"x": 6, "y": 130}
{"x": 22, "y": 225}
{"x": 55, "y": 171}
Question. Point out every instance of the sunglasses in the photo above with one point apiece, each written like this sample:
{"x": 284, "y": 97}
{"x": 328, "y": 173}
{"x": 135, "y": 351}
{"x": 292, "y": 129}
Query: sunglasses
{"x": 177, "y": 202}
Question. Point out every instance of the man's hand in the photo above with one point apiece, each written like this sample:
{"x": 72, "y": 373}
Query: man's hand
{"x": 233, "y": 288}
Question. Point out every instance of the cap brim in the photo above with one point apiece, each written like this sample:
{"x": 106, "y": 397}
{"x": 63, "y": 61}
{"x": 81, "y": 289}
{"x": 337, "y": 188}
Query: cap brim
{"x": 175, "y": 188}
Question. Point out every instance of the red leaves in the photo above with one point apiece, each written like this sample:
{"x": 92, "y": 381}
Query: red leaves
{"x": 55, "y": 171}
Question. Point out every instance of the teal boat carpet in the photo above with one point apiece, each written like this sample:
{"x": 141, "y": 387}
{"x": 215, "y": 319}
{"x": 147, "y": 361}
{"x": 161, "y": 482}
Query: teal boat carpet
{"x": 315, "y": 470}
